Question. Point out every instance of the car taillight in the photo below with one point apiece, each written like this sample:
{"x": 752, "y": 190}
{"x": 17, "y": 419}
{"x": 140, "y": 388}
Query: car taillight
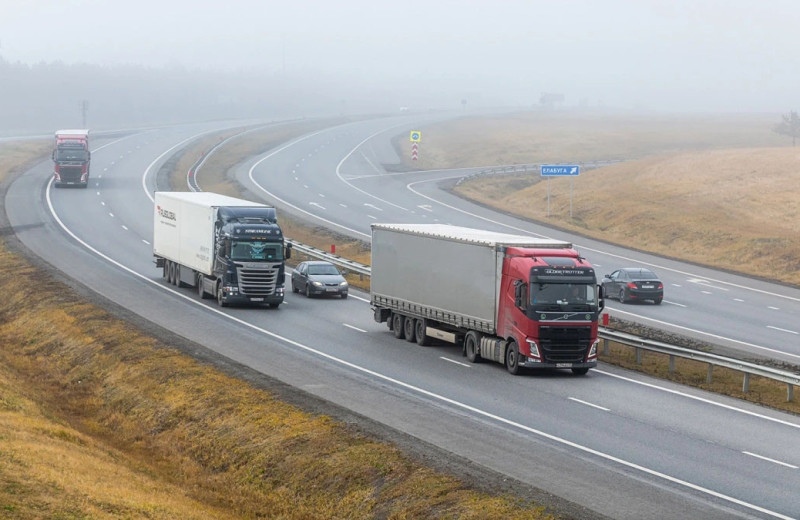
{"x": 661, "y": 286}
{"x": 632, "y": 285}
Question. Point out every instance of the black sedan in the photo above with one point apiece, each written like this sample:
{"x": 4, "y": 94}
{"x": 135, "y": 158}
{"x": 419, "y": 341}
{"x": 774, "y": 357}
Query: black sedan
{"x": 319, "y": 278}
{"x": 633, "y": 284}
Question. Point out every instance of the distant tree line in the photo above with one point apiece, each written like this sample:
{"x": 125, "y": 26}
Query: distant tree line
{"x": 45, "y": 96}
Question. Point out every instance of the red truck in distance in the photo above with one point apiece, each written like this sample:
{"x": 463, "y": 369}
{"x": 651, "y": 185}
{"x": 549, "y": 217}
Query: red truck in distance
{"x": 71, "y": 158}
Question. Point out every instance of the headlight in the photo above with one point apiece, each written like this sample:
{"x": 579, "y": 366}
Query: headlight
{"x": 343, "y": 284}
{"x": 593, "y": 350}
{"x": 534, "y": 349}
{"x": 316, "y": 284}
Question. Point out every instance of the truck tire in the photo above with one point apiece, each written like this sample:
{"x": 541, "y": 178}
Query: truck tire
{"x": 472, "y": 347}
{"x": 171, "y": 274}
{"x": 420, "y": 327}
{"x": 397, "y": 325}
{"x": 512, "y": 358}
{"x": 220, "y": 301}
{"x": 409, "y": 326}
{"x": 200, "y": 290}
{"x": 165, "y": 270}
{"x": 178, "y": 282}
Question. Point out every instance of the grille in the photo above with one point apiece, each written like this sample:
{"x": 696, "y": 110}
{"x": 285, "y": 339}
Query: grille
{"x": 259, "y": 281}
{"x": 564, "y": 344}
{"x": 71, "y": 173}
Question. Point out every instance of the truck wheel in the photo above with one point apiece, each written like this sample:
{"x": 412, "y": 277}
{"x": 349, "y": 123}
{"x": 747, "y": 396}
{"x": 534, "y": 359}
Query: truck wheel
{"x": 200, "y": 290}
{"x": 165, "y": 270}
{"x": 472, "y": 347}
{"x": 178, "y": 282}
{"x": 220, "y": 300}
{"x": 420, "y": 333}
{"x": 580, "y": 371}
{"x": 512, "y": 358}
{"x": 397, "y": 325}
{"x": 408, "y": 329}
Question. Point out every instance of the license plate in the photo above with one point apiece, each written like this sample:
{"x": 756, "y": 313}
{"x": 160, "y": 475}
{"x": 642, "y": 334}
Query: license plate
{"x": 256, "y": 299}
{"x": 563, "y": 365}
{"x": 331, "y": 289}
{"x": 647, "y": 286}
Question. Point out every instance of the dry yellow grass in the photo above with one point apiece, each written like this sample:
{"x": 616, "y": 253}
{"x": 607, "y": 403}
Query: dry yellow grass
{"x": 98, "y": 420}
{"x": 703, "y": 191}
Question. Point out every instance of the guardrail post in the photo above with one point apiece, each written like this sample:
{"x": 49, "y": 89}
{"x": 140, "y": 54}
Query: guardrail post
{"x": 671, "y": 364}
{"x": 789, "y": 392}
{"x": 638, "y": 356}
{"x": 606, "y": 348}
{"x": 710, "y": 371}
{"x": 746, "y": 383}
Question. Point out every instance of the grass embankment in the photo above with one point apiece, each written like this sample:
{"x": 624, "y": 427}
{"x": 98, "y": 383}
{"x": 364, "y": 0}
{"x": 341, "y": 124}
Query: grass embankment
{"x": 98, "y": 420}
{"x": 717, "y": 191}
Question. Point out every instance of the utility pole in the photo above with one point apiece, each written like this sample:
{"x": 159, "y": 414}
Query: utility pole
{"x": 84, "y": 111}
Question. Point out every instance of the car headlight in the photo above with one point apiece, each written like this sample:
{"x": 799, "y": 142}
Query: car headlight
{"x": 316, "y": 284}
{"x": 343, "y": 284}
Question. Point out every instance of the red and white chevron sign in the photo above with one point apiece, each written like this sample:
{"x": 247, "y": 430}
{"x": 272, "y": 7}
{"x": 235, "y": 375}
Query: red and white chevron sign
{"x": 414, "y": 153}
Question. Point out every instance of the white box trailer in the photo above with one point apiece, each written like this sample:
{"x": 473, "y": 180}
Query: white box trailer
{"x": 224, "y": 246}
{"x": 480, "y": 288}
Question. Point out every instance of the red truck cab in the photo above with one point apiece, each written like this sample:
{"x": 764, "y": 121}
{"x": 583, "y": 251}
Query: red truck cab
{"x": 549, "y": 306}
{"x": 71, "y": 158}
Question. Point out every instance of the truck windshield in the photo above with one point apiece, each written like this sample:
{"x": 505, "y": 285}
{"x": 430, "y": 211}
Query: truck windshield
{"x": 255, "y": 251}
{"x": 562, "y": 296}
{"x": 71, "y": 154}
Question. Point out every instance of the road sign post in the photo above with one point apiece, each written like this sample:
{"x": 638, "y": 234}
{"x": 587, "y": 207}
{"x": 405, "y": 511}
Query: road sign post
{"x": 415, "y": 137}
{"x": 560, "y": 170}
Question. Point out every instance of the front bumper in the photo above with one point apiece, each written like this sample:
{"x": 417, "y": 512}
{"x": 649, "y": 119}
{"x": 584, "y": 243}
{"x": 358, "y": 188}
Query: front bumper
{"x": 531, "y": 363}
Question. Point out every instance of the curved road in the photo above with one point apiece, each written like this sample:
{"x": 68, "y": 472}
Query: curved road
{"x": 620, "y": 444}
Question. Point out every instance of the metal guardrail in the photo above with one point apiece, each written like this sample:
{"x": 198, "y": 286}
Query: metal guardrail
{"x": 350, "y": 265}
{"x": 519, "y": 169}
{"x": 790, "y": 378}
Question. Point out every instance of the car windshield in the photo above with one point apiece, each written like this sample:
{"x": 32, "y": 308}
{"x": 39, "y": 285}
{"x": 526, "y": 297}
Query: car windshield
{"x": 253, "y": 251}
{"x": 322, "y": 269}
{"x": 558, "y": 295}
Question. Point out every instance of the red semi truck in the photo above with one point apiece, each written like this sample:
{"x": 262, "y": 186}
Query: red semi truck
{"x": 71, "y": 157}
{"x": 520, "y": 301}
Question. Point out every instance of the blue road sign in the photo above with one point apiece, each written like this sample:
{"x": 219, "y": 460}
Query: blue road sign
{"x": 560, "y": 170}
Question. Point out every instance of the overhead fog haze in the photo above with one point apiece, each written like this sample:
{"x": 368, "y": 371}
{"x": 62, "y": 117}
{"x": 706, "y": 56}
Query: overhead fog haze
{"x": 368, "y": 55}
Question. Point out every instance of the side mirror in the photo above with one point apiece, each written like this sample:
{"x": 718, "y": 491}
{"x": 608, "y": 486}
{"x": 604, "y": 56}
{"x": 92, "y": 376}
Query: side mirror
{"x": 288, "y": 253}
{"x": 519, "y": 294}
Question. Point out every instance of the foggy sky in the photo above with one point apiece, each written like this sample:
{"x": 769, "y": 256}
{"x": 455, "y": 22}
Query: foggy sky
{"x": 682, "y": 55}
